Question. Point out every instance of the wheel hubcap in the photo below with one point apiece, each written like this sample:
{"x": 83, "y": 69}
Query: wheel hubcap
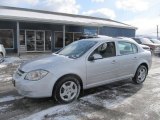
{"x": 142, "y": 74}
{"x": 68, "y": 90}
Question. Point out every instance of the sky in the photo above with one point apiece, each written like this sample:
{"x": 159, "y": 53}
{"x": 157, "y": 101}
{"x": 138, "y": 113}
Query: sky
{"x": 143, "y": 14}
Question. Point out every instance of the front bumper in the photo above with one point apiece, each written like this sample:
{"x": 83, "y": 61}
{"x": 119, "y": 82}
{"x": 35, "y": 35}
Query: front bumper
{"x": 34, "y": 89}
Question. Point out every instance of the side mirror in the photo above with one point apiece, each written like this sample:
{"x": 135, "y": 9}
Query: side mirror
{"x": 94, "y": 57}
{"x": 91, "y": 58}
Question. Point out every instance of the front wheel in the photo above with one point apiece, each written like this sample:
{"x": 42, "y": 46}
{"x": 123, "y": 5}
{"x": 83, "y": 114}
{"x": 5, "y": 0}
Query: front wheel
{"x": 67, "y": 90}
{"x": 141, "y": 74}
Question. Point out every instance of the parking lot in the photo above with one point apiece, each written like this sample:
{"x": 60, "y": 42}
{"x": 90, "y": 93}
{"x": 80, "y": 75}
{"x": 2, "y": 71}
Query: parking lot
{"x": 122, "y": 100}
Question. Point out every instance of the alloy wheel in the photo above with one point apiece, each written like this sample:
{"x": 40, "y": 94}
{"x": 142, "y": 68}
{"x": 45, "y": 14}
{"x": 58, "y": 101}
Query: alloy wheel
{"x": 142, "y": 74}
{"x": 68, "y": 90}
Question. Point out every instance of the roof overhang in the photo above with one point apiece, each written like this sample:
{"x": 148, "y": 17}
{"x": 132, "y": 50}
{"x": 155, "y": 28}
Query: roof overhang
{"x": 20, "y": 14}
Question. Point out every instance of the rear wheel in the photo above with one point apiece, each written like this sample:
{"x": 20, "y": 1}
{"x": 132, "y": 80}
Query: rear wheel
{"x": 141, "y": 74}
{"x": 67, "y": 89}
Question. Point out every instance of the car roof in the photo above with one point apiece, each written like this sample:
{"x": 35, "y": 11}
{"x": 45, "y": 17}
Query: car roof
{"x": 106, "y": 39}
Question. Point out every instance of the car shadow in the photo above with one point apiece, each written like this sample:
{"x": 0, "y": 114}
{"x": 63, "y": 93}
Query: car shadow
{"x": 123, "y": 88}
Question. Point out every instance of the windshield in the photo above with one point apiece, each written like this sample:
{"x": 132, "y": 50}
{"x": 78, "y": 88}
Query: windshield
{"x": 77, "y": 49}
{"x": 155, "y": 41}
{"x": 146, "y": 41}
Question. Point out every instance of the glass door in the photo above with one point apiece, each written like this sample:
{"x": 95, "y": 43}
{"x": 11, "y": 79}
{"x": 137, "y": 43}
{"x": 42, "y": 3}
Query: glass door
{"x": 30, "y": 40}
{"x": 40, "y": 40}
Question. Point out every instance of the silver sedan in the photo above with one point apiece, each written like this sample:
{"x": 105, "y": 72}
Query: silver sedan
{"x": 81, "y": 65}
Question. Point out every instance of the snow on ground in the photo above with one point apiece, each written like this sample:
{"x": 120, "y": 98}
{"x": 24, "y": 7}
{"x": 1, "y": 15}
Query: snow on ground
{"x": 4, "y": 107}
{"x": 41, "y": 115}
{"x": 4, "y": 78}
{"x": 10, "y": 98}
{"x": 70, "y": 117}
{"x": 9, "y": 60}
{"x": 92, "y": 99}
{"x": 156, "y": 90}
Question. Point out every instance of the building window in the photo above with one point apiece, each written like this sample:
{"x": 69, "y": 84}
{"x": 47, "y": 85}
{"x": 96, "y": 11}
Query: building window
{"x": 58, "y": 39}
{"x": 68, "y": 38}
{"x": 6, "y": 38}
{"x": 39, "y": 40}
{"x": 47, "y": 40}
{"x": 77, "y": 36}
{"x": 30, "y": 39}
{"x": 90, "y": 30}
{"x": 22, "y": 37}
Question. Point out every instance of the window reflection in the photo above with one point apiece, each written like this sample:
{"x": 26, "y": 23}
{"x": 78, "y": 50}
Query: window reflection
{"x": 22, "y": 37}
{"x": 30, "y": 38}
{"x": 68, "y": 38}
{"x": 47, "y": 40}
{"x": 58, "y": 39}
{"x": 6, "y": 38}
{"x": 77, "y": 36}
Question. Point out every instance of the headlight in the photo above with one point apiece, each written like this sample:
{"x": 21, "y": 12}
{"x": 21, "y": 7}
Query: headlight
{"x": 36, "y": 75}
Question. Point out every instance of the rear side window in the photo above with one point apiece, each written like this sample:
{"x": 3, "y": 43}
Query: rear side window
{"x": 126, "y": 48}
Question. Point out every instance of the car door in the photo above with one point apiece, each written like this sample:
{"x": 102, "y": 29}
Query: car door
{"x": 127, "y": 59}
{"x": 103, "y": 69}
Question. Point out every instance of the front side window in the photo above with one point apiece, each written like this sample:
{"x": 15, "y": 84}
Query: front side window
{"x": 106, "y": 50}
{"x": 6, "y": 38}
{"x": 77, "y": 49}
{"x": 127, "y": 48}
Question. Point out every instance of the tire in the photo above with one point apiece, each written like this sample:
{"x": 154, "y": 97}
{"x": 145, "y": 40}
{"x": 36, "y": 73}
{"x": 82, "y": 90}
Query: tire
{"x": 140, "y": 75}
{"x": 67, "y": 90}
{"x": 1, "y": 57}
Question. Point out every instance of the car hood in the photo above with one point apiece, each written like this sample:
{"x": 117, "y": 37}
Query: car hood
{"x": 44, "y": 62}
